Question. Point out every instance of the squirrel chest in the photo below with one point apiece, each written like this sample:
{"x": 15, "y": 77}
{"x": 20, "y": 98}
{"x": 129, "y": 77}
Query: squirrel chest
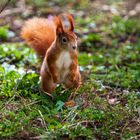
{"x": 63, "y": 63}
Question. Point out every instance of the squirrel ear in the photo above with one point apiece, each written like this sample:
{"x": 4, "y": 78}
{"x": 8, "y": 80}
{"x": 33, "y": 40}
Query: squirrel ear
{"x": 67, "y": 21}
{"x": 70, "y": 18}
{"x": 59, "y": 26}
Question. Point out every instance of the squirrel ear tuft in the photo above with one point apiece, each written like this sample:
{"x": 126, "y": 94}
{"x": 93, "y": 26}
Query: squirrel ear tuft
{"x": 59, "y": 26}
{"x": 70, "y": 19}
{"x": 68, "y": 22}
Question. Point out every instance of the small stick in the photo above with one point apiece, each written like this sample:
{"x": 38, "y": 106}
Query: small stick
{"x": 5, "y": 5}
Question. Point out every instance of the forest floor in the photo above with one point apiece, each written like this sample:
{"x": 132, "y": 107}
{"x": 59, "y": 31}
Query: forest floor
{"x": 107, "y": 106}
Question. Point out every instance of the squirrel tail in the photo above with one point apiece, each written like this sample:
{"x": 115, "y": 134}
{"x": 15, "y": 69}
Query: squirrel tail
{"x": 39, "y": 33}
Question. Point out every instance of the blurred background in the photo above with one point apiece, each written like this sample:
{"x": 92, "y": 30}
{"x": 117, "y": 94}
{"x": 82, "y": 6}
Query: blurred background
{"x": 89, "y": 15}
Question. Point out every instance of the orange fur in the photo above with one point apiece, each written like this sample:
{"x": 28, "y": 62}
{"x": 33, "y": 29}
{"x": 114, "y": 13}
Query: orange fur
{"x": 50, "y": 35}
{"x": 39, "y": 33}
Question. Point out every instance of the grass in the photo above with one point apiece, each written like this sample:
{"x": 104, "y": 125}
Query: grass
{"x": 107, "y": 104}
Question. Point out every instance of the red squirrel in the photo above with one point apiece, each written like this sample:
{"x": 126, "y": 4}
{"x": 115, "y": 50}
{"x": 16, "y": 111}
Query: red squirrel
{"x": 57, "y": 45}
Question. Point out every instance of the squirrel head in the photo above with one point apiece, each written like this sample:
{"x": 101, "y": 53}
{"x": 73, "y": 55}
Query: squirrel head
{"x": 66, "y": 38}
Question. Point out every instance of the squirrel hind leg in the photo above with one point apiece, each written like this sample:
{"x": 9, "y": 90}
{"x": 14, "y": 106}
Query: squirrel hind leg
{"x": 47, "y": 84}
{"x": 73, "y": 81}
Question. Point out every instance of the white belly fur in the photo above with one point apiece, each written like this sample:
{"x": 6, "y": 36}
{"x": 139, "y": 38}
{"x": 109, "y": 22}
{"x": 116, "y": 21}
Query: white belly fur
{"x": 63, "y": 63}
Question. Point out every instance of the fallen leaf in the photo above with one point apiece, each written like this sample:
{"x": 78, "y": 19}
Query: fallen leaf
{"x": 70, "y": 103}
{"x": 112, "y": 101}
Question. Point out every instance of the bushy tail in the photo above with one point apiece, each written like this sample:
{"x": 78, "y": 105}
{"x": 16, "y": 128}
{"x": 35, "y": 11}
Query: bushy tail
{"x": 39, "y": 33}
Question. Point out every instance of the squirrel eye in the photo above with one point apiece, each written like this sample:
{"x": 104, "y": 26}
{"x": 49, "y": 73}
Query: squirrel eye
{"x": 64, "y": 39}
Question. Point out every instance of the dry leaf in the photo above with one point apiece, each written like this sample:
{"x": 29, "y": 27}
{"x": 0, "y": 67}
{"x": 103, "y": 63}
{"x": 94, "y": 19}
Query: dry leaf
{"x": 70, "y": 103}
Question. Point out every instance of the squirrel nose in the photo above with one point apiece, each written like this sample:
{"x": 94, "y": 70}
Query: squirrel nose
{"x": 74, "y": 47}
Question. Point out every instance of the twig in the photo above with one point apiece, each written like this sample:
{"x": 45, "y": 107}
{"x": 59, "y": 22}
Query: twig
{"x": 79, "y": 123}
{"x": 5, "y": 5}
{"x": 32, "y": 103}
{"x": 11, "y": 11}
{"x": 43, "y": 120}
{"x": 126, "y": 124}
{"x": 134, "y": 138}
{"x": 50, "y": 95}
